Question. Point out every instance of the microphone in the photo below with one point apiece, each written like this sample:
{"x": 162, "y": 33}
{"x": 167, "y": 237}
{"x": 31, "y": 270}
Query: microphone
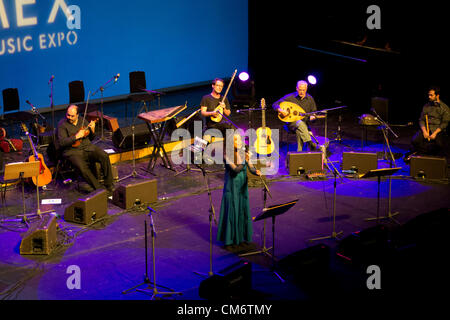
{"x": 32, "y": 107}
{"x": 116, "y": 77}
{"x": 51, "y": 79}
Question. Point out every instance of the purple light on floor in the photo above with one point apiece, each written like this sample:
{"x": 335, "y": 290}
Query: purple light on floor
{"x": 312, "y": 80}
{"x": 243, "y": 76}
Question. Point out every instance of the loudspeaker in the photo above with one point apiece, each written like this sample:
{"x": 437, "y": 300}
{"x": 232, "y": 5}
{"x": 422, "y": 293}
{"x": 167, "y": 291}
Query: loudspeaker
{"x": 304, "y": 162}
{"x": 11, "y": 99}
{"x": 76, "y": 91}
{"x": 428, "y": 167}
{"x": 40, "y": 238}
{"x": 361, "y": 162}
{"x": 232, "y": 282}
{"x": 123, "y": 139}
{"x": 381, "y": 106}
{"x": 127, "y": 196}
{"x": 89, "y": 209}
{"x": 371, "y": 245}
{"x": 137, "y": 81}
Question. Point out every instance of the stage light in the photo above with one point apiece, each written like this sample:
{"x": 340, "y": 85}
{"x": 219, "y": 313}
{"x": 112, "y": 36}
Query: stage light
{"x": 243, "y": 76}
{"x": 312, "y": 80}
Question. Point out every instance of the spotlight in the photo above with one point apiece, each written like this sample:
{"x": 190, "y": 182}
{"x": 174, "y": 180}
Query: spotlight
{"x": 243, "y": 76}
{"x": 312, "y": 80}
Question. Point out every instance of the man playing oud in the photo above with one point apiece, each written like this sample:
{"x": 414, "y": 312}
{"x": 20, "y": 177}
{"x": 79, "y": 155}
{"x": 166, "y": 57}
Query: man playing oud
{"x": 301, "y": 98}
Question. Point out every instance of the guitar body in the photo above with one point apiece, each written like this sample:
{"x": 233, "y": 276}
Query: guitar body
{"x": 295, "y": 112}
{"x": 264, "y": 144}
{"x": 218, "y": 118}
{"x": 45, "y": 175}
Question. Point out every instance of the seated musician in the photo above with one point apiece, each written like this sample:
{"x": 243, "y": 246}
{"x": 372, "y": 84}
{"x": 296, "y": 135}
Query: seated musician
{"x": 307, "y": 103}
{"x": 433, "y": 122}
{"x": 74, "y": 139}
{"x": 210, "y": 102}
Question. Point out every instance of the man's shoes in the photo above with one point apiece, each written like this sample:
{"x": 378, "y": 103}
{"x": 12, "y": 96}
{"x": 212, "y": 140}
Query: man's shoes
{"x": 408, "y": 155}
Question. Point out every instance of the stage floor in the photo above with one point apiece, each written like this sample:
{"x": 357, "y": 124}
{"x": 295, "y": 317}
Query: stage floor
{"x": 110, "y": 254}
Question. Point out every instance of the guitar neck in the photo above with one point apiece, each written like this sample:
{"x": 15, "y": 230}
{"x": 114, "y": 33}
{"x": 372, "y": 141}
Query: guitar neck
{"x": 264, "y": 118}
{"x": 30, "y": 141}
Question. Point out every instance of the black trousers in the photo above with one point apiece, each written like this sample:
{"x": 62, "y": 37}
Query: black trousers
{"x": 85, "y": 158}
{"x": 436, "y": 147}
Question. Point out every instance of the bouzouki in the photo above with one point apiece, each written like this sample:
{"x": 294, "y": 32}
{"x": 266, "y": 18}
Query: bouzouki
{"x": 264, "y": 144}
{"x": 45, "y": 175}
{"x": 219, "y": 108}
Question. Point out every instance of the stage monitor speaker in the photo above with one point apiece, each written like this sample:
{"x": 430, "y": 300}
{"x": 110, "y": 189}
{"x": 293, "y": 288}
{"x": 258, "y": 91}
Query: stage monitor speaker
{"x": 137, "y": 81}
{"x": 304, "y": 162}
{"x": 428, "y": 167}
{"x": 232, "y": 282}
{"x": 76, "y": 91}
{"x": 11, "y": 99}
{"x": 361, "y": 162}
{"x": 128, "y": 195}
{"x": 369, "y": 245}
{"x": 88, "y": 210}
{"x": 40, "y": 238}
{"x": 122, "y": 138}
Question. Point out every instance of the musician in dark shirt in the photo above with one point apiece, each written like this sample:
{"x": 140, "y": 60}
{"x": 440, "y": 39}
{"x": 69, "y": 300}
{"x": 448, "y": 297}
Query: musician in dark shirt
{"x": 210, "y": 102}
{"x": 438, "y": 115}
{"x": 307, "y": 103}
{"x": 70, "y": 134}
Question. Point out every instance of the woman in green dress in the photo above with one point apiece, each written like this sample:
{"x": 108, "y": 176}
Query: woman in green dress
{"x": 235, "y": 223}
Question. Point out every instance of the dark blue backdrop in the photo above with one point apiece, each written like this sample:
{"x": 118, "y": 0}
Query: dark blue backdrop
{"x": 176, "y": 42}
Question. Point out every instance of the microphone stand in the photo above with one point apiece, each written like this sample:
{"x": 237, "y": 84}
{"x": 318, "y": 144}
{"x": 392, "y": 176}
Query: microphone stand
{"x": 53, "y": 110}
{"x": 101, "y": 89}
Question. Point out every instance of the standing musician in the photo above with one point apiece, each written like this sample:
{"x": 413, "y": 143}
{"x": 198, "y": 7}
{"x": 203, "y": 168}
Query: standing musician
{"x": 210, "y": 102}
{"x": 433, "y": 123}
{"x": 74, "y": 138}
{"x": 235, "y": 224}
{"x": 307, "y": 103}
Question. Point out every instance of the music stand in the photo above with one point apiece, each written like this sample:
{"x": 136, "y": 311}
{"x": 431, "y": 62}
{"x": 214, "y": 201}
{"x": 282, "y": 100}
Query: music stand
{"x": 22, "y": 170}
{"x": 133, "y": 173}
{"x": 272, "y": 212}
{"x": 152, "y": 286}
{"x": 379, "y": 173}
{"x": 263, "y": 250}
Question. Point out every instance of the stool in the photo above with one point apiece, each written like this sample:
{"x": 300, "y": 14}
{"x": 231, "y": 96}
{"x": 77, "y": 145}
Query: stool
{"x": 364, "y": 130}
{"x": 288, "y": 131}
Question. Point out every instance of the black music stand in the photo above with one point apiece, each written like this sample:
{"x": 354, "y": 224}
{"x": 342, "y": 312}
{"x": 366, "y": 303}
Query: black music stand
{"x": 380, "y": 173}
{"x": 263, "y": 250}
{"x": 22, "y": 170}
{"x": 272, "y": 212}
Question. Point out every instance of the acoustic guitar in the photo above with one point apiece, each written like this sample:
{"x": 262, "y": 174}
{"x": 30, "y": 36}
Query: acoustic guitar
{"x": 264, "y": 144}
{"x": 45, "y": 175}
{"x": 219, "y": 108}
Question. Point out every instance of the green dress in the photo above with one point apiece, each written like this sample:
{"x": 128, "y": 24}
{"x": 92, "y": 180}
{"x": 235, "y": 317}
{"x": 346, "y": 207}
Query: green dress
{"x": 235, "y": 223}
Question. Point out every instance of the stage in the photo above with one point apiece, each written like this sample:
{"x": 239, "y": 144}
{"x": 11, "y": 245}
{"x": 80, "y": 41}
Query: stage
{"x": 110, "y": 253}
